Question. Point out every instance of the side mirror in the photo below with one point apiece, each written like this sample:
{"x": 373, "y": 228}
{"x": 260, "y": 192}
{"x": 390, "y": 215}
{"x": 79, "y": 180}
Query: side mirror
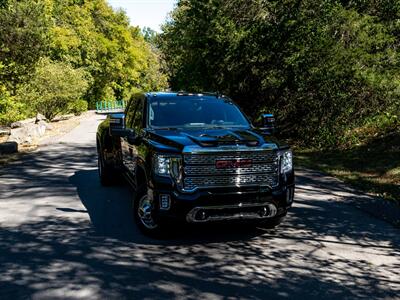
{"x": 117, "y": 125}
{"x": 269, "y": 122}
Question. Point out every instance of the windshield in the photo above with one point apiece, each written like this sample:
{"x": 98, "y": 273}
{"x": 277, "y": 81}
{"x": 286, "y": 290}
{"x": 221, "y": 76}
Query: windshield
{"x": 178, "y": 112}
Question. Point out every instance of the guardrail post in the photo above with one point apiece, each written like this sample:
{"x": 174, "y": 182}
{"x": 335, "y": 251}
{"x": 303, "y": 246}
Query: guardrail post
{"x": 110, "y": 105}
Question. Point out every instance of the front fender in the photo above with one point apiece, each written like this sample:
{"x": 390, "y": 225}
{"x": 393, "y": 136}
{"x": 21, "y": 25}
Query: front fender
{"x": 108, "y": 146}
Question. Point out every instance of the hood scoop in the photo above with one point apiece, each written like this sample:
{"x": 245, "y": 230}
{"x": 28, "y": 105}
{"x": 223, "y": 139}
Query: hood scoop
{"x": 225, "y": 139}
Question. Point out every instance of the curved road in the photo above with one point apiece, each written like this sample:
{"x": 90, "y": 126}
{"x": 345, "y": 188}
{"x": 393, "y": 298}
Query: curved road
{"x": 63, "y": 236}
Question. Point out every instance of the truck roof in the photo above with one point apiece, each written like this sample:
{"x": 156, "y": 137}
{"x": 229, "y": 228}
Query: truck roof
{"x": 185, "y": 94}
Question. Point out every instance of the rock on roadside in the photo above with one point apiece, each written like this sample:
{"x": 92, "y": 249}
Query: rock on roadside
{"x": 28, "y": 133}
{"x": 4, "y": 134}
{"x": 63, "y": 118}
{"x": 23, "y": 123}
{"x": 40, "y": 117}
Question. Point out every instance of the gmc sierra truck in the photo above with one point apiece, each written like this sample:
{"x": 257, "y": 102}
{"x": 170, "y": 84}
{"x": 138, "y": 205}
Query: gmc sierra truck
{"x": 196, "y": 158}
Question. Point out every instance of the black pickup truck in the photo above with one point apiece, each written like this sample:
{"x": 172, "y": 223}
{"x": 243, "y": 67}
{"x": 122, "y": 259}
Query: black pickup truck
{"x": 196, "y": 158}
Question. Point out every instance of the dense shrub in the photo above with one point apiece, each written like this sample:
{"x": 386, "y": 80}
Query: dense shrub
{"x": 322, "y": 67}
{"x": 10, "y": 110}
{"x": 54, "y": 52}
{"x": 77, "y": 107}
{"x": 53, "y": 88}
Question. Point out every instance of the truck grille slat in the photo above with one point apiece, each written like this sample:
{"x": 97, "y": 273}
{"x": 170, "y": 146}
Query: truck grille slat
{"x": 209, "y": 159}
{"x": 200, "y": 170}
{"x": 206, "y": 170}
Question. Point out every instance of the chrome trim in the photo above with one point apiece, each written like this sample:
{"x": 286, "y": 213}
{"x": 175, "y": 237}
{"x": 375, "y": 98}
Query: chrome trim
{"x": 208, "y": 171}
{"x": 260, "y": 157}
{"x": 221, "y": 186}
{"x": 233, "y": 148}
{"x": 269, "y": 179}
{"x": 272, "y": 212}
{"x": 200, "y": 172}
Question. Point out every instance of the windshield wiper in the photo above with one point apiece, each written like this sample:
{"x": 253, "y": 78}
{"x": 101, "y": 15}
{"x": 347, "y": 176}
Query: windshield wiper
{"x": 164, "y": 128}
{"x": 223, "y": 126}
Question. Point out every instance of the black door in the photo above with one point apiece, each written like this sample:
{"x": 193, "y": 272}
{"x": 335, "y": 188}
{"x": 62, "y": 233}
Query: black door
{"x": 134, "y": 120}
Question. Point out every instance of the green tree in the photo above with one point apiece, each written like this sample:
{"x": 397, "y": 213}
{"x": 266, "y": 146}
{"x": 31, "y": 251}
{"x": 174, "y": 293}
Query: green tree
{"x": 149, "y": 35}
{"x": 322, "y": 67}
{"x": 10, "y": 110}
{"x": 24, "y": 38}
{"x": 53, "y": 87}
{"x": 86, "y": 36}
{"x": 93, "y": 36}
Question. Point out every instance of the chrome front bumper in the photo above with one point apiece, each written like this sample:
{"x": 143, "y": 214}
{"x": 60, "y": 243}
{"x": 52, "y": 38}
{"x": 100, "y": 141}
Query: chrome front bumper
{"x": 240, "y": 211}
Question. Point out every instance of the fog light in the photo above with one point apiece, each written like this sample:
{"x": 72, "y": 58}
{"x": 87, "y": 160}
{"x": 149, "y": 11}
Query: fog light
{"x": 165, "y": 202}
{"x": 201, "y": 215}
{"x": 263, "y": 212}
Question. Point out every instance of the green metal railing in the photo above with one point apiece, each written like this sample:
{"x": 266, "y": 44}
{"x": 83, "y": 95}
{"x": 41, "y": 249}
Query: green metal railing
{"x": 110, "y": 105}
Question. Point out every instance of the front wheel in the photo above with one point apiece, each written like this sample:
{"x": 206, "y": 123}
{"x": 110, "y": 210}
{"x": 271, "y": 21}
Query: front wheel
{"x": 272, "y": 223}
{"x": 145, "y": 214}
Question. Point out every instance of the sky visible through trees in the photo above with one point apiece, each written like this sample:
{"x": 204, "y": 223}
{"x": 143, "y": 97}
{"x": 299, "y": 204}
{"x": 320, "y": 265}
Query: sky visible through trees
{"x": 145, "y": 13}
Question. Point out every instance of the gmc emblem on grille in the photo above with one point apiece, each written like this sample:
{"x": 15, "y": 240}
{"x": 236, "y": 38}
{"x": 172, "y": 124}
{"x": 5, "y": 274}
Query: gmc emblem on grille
{"x": 233, "y": 163}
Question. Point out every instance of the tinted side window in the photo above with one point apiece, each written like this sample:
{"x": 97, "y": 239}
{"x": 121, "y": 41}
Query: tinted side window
{"x": 138, "y": 119}
{"x": 133, "y": 104}
{"x": 130, "y": 112}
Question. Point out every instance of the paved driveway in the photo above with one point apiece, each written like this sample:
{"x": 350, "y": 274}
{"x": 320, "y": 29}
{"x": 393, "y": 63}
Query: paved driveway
{"x": 62, "y": 235}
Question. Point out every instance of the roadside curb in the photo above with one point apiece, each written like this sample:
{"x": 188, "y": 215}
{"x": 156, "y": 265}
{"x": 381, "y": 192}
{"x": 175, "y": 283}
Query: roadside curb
{"x": 375, "y": 206}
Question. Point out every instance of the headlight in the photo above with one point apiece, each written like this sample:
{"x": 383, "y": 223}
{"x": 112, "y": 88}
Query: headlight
{"x": 286, "y": 161}
{"x": 161, "y": 165}
{"x": 166, "y": 165}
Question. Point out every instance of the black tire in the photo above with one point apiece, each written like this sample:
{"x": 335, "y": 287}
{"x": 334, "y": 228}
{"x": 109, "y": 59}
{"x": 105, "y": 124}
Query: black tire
{"x": 272, "y": 223}
{"x": 105, "y": 171}
{"x": 149, "y": 225}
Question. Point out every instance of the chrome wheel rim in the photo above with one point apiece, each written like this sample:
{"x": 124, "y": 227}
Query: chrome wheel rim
{"x": 145, "y": 212}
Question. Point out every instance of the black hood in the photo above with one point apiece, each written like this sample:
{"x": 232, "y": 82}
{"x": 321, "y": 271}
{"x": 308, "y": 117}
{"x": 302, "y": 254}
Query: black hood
{"x": 181, "y": 138}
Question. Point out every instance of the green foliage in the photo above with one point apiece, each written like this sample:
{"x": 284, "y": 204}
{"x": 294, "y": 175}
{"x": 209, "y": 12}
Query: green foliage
{"x": 373, "y": 166}
{"x": 91, "y": 35}
{"x": 53, "y": 88}
{"x": 10, "y": 110}
{"x": 77, "y": 107}
{"x": 88, "y": 38}
{"x": 23, "y": 40}
{"x": 322, "y": 67}
{"x": 149, "y": 35}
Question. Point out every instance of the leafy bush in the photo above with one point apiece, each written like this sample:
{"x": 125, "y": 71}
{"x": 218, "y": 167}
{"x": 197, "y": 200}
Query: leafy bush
{"x": 53, "y": 87}
{"x": 24, "y": 38}
{"x": 322, "y": 67}
{"x": 78, "y": 107}
{"x": 87, "y": 35}
{"x": 10, "y": 109}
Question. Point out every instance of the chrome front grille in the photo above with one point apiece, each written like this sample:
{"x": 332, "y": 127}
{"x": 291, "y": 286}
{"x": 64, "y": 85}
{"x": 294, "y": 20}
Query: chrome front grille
{"x": 210, "y": 170}
{"x": 200, "y": 170}
{"x": 209, "y": 159}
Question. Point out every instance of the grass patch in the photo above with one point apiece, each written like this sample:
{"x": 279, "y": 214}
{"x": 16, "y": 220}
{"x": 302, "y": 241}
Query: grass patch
{"x": 373, "y": 167}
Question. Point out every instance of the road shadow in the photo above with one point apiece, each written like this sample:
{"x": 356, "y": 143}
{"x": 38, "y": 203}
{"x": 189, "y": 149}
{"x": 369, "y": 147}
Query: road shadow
{"x": 315, "y": 183}
{"x": 110, "y": 211}
{"x": 59, "y": 258}
{"x": 324, "y": 249}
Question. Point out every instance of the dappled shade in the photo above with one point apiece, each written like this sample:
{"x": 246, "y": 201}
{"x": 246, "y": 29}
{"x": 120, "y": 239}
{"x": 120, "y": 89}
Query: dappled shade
{"x": 79, "y": 240}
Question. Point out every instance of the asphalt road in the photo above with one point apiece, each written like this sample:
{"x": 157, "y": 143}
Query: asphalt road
{"x": 62, "y": 235}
